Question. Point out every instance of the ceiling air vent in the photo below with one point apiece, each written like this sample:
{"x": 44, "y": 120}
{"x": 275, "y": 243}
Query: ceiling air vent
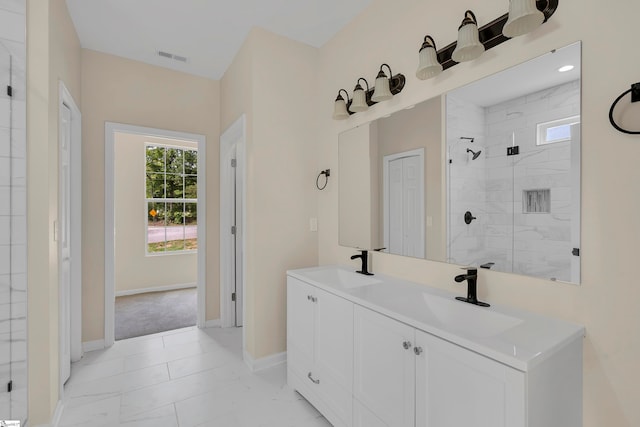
{"x": 172, "y": 56}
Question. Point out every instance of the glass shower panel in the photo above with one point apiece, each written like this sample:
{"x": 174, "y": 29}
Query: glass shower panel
{"x": 5, "y": 234}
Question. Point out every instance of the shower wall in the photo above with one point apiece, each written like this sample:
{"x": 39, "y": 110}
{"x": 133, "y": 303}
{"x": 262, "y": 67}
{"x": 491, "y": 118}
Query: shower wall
{"x": 466, "y": 185}
{"x": 492, "y": 186}
{"x": 13, "y": 228}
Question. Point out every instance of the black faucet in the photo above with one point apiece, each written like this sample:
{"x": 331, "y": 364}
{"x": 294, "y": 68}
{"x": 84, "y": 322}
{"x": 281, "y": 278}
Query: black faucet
{"x": 365, "y": 263}
{"x": 472, "y": 280}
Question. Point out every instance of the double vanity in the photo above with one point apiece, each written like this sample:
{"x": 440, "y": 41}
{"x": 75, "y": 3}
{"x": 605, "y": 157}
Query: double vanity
{"x": 377, "y": 351}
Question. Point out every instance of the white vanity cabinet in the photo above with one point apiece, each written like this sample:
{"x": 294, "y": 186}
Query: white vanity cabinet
{"x": 405, "y": 377}
{"x": 382, "y": 352}
{"x": 384, "y": 371}
{"x": 320, "y": 349}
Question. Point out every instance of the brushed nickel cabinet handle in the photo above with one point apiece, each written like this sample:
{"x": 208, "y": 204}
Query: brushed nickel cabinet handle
{"x": 406, "y": 345}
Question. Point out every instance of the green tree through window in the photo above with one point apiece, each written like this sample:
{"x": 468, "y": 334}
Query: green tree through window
{"x": 172, "y": 198}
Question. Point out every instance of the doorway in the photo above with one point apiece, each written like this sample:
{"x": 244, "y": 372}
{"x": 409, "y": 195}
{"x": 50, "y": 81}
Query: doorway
{"x": 404, "y": 209}
{"x": 232, "y": 224}
{"x": 164, "y": 214}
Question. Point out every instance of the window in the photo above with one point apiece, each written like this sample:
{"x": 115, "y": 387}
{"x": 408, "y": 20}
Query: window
{"x": 556, "y": 130}
{"x": 172, "y": 199}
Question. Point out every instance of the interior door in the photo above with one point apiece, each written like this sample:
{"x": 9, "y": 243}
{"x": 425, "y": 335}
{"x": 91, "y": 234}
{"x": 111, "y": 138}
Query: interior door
{"x": 238, "y": 250}
{"x": 64, "y": 243}
{"x": 405, "y": 210}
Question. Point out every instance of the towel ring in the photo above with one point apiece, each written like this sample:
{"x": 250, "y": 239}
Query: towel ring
{"x": 635, "y": 97}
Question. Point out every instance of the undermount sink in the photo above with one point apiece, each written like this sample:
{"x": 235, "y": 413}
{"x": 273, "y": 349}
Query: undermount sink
{"x": 466, "y": 318}
{"x": 347, "y": 279}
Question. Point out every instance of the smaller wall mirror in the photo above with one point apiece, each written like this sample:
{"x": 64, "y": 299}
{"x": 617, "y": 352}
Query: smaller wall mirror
{"x": 485, "y": 175}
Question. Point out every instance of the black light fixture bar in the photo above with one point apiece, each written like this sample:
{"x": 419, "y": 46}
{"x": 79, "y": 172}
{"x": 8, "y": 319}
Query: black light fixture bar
{"x": 395, "y": 86}
{"x": 491, "y": 33}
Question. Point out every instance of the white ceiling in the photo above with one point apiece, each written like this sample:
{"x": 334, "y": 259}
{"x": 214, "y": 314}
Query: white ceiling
{"x": 207, "y": 32}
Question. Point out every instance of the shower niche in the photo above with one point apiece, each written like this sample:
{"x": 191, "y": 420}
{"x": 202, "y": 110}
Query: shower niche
{"x": 496, "y": 181}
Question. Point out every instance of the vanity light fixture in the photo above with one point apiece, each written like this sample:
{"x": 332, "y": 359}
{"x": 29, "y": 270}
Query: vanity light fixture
{"x": 469, "y": 46}
{"x": 524, "y": 17}
{"x": 489, "y": 35}
{"x": 382, "y": 90}
{"x": 359, "y": 98}
{"x": 340, "y": 111}
{"x": 429, "y": 66}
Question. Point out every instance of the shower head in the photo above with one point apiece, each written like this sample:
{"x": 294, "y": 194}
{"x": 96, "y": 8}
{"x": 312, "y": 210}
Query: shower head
{"x": 467, "y": 138}
{"x": 475, "y": 154}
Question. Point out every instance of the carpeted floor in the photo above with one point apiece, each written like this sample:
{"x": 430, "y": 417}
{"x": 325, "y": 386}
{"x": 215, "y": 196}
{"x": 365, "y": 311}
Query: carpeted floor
{"x": 153, "y": 312}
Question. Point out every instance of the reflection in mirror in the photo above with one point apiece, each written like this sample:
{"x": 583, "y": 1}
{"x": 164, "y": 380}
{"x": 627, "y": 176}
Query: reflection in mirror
{"x": 513, "y": 144}
{"x": 498, "y": 186}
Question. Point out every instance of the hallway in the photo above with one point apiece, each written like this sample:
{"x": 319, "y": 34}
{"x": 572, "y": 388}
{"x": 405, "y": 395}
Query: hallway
{"x": 186, "y": 378}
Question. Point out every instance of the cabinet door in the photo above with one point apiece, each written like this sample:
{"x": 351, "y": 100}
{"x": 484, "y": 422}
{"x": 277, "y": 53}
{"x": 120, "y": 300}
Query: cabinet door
{"x": 384, "y": 370}
{"x": 457, "y": 387}
{"x": 334, "y": 338}
{"x": 300, "y": 326}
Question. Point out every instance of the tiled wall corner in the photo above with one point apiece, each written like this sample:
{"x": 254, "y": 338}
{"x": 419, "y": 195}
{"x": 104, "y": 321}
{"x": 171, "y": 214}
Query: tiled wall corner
{"x": 13, "y": 220}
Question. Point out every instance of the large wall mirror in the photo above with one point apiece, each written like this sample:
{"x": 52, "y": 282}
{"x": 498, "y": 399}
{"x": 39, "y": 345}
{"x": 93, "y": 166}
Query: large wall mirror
{"x": 484, "y": 175}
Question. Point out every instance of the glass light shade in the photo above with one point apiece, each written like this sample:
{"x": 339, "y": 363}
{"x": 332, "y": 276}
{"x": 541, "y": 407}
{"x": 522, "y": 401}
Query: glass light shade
{"x": 340, "y": 110}
{"x": 524, "y": 17}
{"x": 359, "y": 101}
{"x": 428, "y": 66}
{"x": 382, "y": 92}
{"x": 469, "y": 46}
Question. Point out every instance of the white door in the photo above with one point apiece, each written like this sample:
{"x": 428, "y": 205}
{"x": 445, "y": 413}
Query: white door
{"x": 64, "y": 243}
{"x": 384, "y": 370}
{"x": 404, "y": 204}
{"x": 237, "y": 241}
{"x": 575, "y": 202}
{"x": 457, "y": 387}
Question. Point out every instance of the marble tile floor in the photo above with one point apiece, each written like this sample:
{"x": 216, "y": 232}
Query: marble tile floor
{"x": 185, "y": 378}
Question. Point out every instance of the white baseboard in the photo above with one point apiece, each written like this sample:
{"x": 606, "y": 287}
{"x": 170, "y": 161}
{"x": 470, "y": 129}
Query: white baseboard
{"x": 155, "y": 289}
{"x": 92, "y": 345}
{"x": 215, "y": 323}
{"x": 256, "y": 365}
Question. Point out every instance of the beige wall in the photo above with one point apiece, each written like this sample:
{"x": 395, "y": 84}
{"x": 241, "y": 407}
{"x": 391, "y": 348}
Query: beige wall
{"x": 358, "y": 189}
{"x": 606, "y": 302}
{"x": 135, "y": 269}
{"x": 274, "y": 76}
{"x": 53, "y": 55}
{"x": 123, "y": 91}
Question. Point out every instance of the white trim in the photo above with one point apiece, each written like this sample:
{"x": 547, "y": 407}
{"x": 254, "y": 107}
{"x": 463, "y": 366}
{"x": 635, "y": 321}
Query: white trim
{"x": 232, "y": 141}
{"x": 385, "y": 207}
{"x": 256, "y": 365}
{"x": 215, "y": 323}
{"x": 156, "y": 289}
{"x": 109, "y": 226}
{"x": 93, "y": 345}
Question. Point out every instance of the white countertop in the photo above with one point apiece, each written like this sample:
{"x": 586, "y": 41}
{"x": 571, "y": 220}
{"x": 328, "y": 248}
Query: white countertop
{"x": 517, "y": 338}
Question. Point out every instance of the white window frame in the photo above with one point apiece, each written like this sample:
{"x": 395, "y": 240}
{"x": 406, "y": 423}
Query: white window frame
{"x": 165, "y": 200}
{"x": 541, "y": 129}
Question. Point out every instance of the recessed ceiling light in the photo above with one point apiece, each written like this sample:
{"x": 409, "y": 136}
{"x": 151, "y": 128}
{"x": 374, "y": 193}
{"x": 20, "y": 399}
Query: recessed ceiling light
{"x": 566, "y": 68}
